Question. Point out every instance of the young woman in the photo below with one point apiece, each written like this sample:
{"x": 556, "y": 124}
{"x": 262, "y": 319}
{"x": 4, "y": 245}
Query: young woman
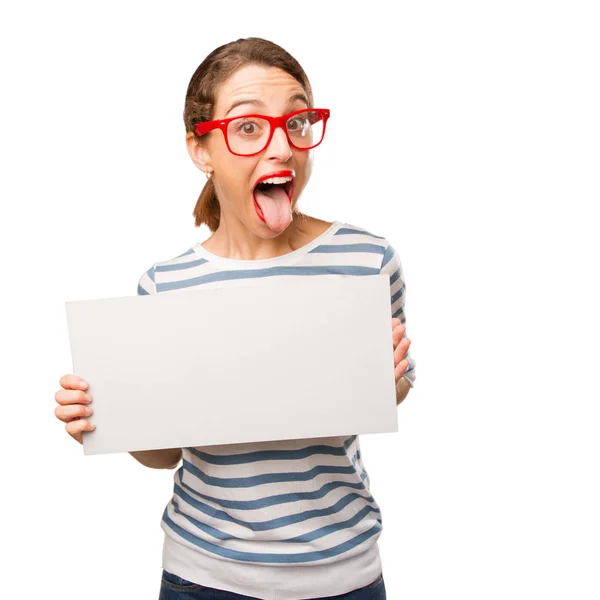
{"x": 291, "y": 519}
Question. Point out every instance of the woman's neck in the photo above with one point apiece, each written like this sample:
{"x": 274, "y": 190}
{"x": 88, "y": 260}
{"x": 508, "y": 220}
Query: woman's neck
{"x": 234, "y": 240}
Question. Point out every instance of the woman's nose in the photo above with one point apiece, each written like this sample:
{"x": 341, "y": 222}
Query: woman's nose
{"x": 279, "y": 146}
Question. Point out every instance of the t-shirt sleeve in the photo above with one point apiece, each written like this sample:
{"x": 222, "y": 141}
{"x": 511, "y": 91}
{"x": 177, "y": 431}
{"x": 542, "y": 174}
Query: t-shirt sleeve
{"x": 392, "y": 266}
{"x": 146, "y": 283}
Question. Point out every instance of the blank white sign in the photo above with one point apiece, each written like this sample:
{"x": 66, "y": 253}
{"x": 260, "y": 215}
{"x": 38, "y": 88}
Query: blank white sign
{"x": 273, "y": 360}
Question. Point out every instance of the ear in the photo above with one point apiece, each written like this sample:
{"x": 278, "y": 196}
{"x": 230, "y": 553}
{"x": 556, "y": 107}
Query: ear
{"x": 198, "y": 153}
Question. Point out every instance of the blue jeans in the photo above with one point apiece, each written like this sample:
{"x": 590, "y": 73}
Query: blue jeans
{"x": 173, "y": 587}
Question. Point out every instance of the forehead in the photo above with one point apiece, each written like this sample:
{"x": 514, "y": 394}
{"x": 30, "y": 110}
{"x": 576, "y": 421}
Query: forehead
{"x": 270, "y": 84}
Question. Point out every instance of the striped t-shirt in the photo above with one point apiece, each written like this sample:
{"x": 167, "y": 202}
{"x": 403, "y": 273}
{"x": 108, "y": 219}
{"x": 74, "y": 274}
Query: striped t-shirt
{"x": 290, "y": 519}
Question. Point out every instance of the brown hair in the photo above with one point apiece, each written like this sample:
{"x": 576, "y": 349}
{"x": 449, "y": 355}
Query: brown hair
{"x": 201, "y": 95}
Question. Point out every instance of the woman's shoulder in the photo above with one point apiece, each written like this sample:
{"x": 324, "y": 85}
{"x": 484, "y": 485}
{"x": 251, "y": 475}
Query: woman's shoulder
{"x": 147, "y": 281}
{"x": 390, "y": 260}
{"x": 351, "y": 229}
{"x": 357, "y": 234}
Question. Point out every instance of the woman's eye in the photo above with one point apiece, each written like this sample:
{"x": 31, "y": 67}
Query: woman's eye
{"x": 298, "y": 124}
{"x": 247, "y": 128}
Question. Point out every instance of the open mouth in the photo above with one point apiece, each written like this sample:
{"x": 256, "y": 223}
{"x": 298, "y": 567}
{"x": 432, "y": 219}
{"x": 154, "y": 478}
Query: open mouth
{"x": 272, "y": 200}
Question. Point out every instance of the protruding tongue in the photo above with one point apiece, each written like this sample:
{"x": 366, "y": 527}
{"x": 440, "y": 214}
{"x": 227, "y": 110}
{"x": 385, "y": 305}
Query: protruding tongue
{"x": 275, "y": 205}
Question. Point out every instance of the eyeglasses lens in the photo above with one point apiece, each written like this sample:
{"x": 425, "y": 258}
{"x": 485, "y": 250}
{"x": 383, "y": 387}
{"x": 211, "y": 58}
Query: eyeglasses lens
{"x": 248, "y": 135}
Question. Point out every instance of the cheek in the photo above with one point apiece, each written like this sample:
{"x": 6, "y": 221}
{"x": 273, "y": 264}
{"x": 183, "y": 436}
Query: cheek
{"x": 305, "y": 163}
{"x": 308, "y": 170}
{"x": 236, "y": 179}
{"x": 304, "y": 169}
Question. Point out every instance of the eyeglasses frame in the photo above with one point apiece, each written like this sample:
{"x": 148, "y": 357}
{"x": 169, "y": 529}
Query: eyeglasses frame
{"x": 207, "y": 126}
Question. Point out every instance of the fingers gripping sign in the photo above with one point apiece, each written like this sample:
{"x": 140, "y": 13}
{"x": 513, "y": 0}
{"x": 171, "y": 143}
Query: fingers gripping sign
{"x": 401, "y": 346}
{"x": 74, "y": 406}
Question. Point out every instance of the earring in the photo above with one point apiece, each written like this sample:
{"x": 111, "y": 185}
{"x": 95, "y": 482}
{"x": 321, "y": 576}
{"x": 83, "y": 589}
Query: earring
{"x": 208, "y": 174}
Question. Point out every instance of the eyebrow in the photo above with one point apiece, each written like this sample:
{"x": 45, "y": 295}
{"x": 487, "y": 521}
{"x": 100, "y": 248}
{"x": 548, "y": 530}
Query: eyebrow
{"x": 257, "y": 102}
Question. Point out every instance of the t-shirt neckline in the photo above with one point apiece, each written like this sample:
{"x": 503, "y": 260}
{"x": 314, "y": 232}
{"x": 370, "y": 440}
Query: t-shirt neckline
{"x": 204, "y": 253}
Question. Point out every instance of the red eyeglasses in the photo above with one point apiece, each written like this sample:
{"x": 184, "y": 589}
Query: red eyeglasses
{"x": 251, "y": 134}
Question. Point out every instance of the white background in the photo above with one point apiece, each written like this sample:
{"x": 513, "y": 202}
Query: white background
{"x": 466, "y": 133}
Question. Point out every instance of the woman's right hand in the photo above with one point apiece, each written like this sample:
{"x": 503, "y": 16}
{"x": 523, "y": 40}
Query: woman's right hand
{"x": 74, "y": 406}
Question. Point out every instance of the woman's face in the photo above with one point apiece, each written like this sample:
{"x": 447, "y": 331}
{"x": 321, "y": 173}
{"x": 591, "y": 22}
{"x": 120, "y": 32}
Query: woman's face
{"x": 234, "y": 177}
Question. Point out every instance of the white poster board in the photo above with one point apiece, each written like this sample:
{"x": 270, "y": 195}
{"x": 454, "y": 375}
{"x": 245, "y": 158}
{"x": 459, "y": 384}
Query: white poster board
{"x": 274, "y": 360}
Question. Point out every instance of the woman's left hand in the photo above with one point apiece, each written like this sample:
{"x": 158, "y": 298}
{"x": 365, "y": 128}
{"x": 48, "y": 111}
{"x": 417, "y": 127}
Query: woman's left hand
{"x": 401, "y": 346}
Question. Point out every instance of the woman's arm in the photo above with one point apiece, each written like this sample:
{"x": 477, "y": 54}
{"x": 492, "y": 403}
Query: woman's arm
{"x": 391, "y": 265}
{"x": 158, "y": 459}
